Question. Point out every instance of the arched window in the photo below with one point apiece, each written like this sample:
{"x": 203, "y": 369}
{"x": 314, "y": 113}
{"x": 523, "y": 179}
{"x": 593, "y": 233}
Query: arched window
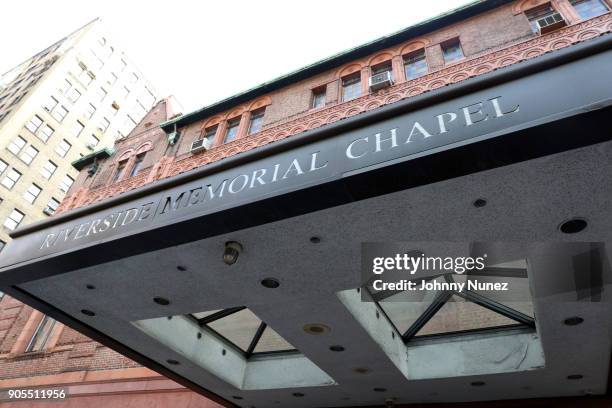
{"x": 415, "y": 64}
{"x": 139, "y": 158}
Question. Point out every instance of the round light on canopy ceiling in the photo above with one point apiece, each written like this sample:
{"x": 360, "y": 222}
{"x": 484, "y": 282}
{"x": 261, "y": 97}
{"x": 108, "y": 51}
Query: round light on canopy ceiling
{"x": 231, "y": 252}
{"x": 316, "y": 328}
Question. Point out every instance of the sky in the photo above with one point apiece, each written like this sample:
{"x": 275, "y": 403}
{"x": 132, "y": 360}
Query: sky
{"x": 205, "y": 51}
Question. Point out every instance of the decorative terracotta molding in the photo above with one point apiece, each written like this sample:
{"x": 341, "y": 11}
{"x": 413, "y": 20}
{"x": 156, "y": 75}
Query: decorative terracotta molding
{"x": 380, "y": 58}
{"x": 349, "y": 69}
{"x": 260, "y": 103}
{"x": 521, "y": 6}
{"x": 413, "y": 46}
{"x": 467, "y": 68}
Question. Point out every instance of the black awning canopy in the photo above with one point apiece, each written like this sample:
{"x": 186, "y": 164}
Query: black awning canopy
{"x": 535, "y": 144}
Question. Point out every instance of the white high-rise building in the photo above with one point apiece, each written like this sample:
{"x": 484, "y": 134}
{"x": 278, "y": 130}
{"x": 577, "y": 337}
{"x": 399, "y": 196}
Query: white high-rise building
{"x": 77, "y": 96}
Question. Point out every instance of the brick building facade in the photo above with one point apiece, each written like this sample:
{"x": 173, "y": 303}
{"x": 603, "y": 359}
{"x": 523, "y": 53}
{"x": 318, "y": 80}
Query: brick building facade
{"x": 418, "y": 60}
{"x": 497, "y": 38}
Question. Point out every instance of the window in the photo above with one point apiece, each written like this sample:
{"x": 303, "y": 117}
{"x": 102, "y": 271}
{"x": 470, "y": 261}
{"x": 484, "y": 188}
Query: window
{"x": 106, "y": 52}
{"x": 3, "y": 167}
{"x": 137, "y": 164}
{"x": 51, "y": 206}
{"x": 86, "y": 77}
{"x": 125, "y": 92}
{"x": 66, "y": 183}
{"x": 34, "y": 123}
{"x": 59, "y": 113}
{"x": 440, "y": 312}
{"x": 46, "y": 133}
{"x": 210, "y": 134}
{"x": 256, "y": 121}
{"x": 318, "y": 97}
{"x": 93, "y": 141}
{"x": 89, "y": 110}
{"x": 147, "y": 98}
{"x": 133, "y": 78}
{"x": 232, "y": 130}
{"x": 104, "y": 124}
{"x": 415, "y": 65}
{"x": 121, "y": 65}
{"x": 242, "y": 328}
{"x": 112, "y": 78}
{"x": 96, "y": 61}
{"x": 589, "y": 8}
{"x": 77, "y": 128}
{"x": 382, "y": 68}
{"x": 32, "y": 193}
{"x": 119, "y": 171}
{"x": 351, "y": 87}
{"x": 41, "y": 335}
{"x": 28, "y": 154}
{"x": 16, "y": 145}
{"x": 127, "y": 126}
{"x": 2, "y": 245}
{"x": 50, "y": 104}
{"x": 101, "y": 94}
{"x": 73, "y": 95}
{"x": 12, "y": 177}
{"x": 66, "y": 85}
{"x": 138, "y": 111}
{"x": 542, "y": 17}
{"x": 62, "y": 148}
{"x": 48, "y": 169}
{"x": 13, "y": 220}
{"x": 452, "y": 51}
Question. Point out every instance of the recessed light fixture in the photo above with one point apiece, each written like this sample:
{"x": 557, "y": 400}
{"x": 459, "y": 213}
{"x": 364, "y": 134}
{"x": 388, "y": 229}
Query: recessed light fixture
{"x": 477, "y": 383}
{"x": 573, "y": 321}
{"x": 316, "y": 328}
{"x": 380, "y": 389}
{"x": 573, "y": 226}
{"x": 297, "y": 394}
{"x": 361, "y": 370}
{"x": 336, "y": 348}
{"x": 90, "y": 286}
{"x": 315, "y": 240}
{"x": 161, "y": 301}
{"x": 479, "y": 203}
{"x": 231, "y": 252}
{"x": 87, "y": 312}
{"x": 270, "y": 283}
{"x": 575, "y": 377}
{"x": 181, "y": 268}
{"x": 237, "y": 397}
{"x": 173, "y": 362}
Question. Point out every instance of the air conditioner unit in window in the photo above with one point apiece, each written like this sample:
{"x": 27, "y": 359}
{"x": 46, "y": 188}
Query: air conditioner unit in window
{"x": 48, "y": 211}
{"x": 200, "y": 145}
{"x": 550, "y": 22}
{"x": 380, "y": 80}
